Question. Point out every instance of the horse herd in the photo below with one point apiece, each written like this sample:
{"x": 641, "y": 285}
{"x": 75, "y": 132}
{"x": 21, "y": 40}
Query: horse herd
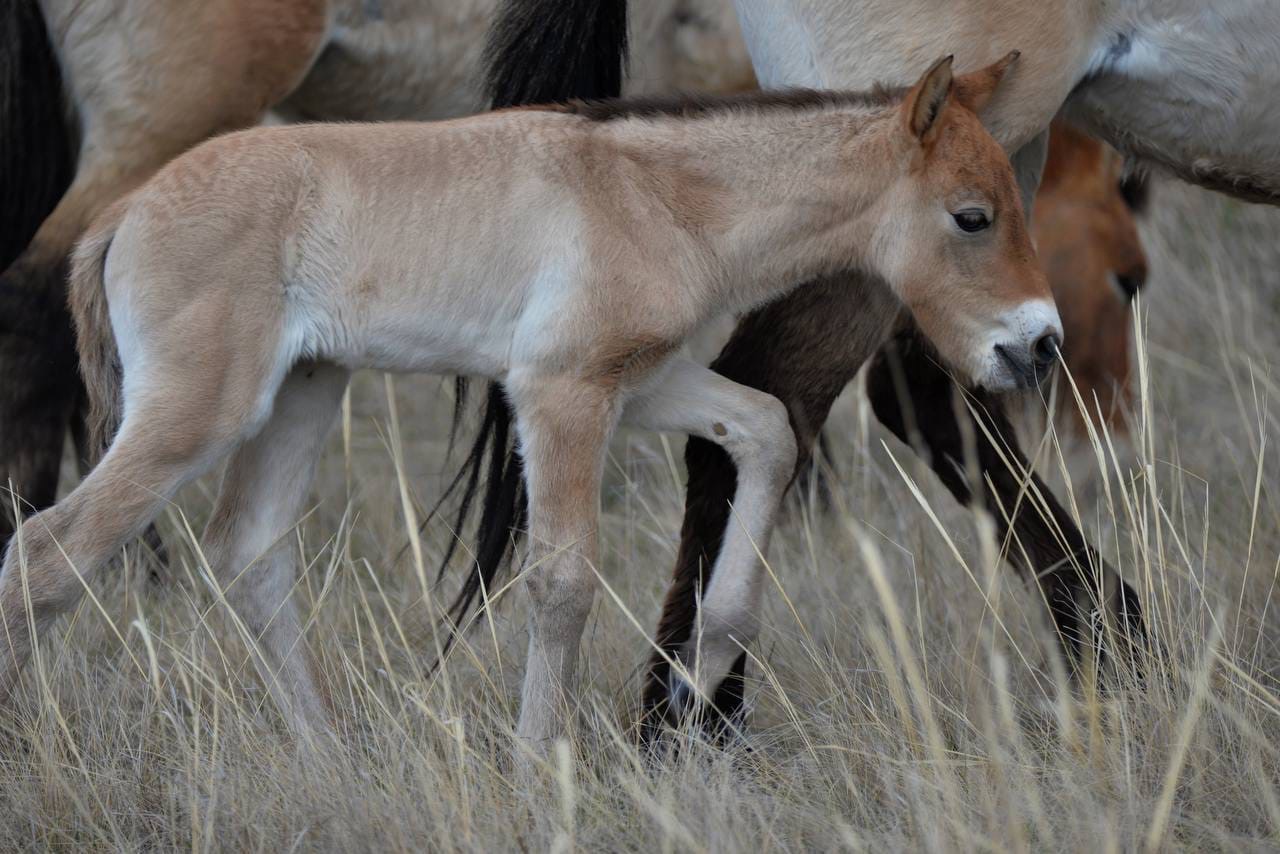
{"x": 223, "y": 290}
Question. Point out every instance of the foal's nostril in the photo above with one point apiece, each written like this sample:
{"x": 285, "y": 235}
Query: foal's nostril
{"x": 1044, "y": 352}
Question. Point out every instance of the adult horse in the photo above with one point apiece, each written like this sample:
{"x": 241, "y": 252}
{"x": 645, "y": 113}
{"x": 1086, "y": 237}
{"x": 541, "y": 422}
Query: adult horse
{"x": 95, "y": 97}
{"x": 1182, "y": 86}
{"x": 144, "y": 81}
{"x": 1087, "y": 238}
{"x": 1177, "y": 85}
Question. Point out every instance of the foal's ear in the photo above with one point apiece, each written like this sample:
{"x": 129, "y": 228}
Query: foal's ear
{"x": 926, "y": 99}
{"x": 975, "y": 89}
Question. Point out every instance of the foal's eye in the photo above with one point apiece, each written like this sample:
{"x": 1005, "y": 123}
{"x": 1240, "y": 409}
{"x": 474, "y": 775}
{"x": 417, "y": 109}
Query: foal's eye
{"x": 971, "y": 220}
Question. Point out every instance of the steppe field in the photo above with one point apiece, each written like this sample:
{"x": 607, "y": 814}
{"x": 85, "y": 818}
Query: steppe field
{"x": 905, "y": 694}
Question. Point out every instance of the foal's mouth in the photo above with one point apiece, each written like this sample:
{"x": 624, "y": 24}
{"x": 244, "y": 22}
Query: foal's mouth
{"x": 1032, "y": 370}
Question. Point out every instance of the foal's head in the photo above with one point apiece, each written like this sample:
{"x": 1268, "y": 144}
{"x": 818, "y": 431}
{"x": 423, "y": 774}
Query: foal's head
{"x": 953, "y": 242}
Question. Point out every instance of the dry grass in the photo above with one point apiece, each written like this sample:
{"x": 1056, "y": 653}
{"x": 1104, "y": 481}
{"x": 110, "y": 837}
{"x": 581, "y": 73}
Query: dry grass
{"x": 904, "y": 696}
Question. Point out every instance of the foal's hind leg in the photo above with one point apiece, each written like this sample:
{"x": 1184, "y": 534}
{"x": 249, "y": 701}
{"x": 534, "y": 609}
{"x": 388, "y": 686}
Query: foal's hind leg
{"x": 148, "y": 84}
{"x": 754, "y": 429}
{"x": 58, "y": 550}
{"x": 263, "y": 493}
{"x": 189, "y": 397}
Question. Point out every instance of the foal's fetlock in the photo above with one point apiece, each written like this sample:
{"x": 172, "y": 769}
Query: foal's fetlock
{"x": 692, "y": 690}
{"x": 682, "y": 697}
{"x": 702, "y": 715}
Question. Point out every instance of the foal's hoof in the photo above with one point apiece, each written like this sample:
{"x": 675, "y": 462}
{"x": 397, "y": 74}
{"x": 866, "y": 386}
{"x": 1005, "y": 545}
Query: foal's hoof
{"x": 681, "y": 697}
{"x": 707, "y": 721}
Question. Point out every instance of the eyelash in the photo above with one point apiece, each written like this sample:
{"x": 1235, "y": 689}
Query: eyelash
{"x": 980, "y": 219}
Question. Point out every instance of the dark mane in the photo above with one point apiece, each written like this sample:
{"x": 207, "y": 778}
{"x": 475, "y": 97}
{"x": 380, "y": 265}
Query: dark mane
{"x": 688, "y": 106}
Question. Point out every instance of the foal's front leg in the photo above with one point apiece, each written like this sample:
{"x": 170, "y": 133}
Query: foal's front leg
{"x": 804, "y": 349}
{"x": 754, "y": 429}
{"x": 564, "y": 423}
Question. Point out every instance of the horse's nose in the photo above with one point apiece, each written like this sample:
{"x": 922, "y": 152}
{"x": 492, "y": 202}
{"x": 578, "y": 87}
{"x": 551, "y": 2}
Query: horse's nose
{"x": 1044, "y": 351}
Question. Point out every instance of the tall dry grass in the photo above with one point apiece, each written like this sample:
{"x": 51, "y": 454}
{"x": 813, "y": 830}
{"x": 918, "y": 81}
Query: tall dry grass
{"x": 905, "y": 693}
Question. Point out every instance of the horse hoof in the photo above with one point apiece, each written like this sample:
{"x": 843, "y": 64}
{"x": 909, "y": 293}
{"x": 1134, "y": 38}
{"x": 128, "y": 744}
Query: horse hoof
{"x": 681, "y": 697}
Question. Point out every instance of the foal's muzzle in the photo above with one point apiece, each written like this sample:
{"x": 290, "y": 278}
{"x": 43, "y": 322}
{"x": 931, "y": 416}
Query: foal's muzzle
{"x": 1030, "y": 366}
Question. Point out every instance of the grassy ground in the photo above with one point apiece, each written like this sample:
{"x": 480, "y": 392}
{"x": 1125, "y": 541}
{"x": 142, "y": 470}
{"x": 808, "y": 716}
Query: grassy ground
{"x": 905, "y": 693}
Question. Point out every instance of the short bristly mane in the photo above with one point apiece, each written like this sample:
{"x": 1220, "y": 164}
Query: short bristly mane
{"x": 689, "y": 106}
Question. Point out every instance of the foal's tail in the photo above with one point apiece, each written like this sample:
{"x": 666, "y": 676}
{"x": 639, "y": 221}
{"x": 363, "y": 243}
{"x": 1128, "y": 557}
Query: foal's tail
{"x": 539, "y": 52}
{"x": 36, "y": 156}
{"x": 95, "y": 339}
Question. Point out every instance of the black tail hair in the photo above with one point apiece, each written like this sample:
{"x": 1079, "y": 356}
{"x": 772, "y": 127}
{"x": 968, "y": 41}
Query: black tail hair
{"x": 36, "y": 158}
{"x": 539, "y": 52}
{"x": 552, "y": 51}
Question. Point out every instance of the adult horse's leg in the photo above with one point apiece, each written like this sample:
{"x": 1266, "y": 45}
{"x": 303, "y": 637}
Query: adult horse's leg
{"x": 40, "y": 389}
{"x": 36, "y": 165}
{"x": 146, "y": 84}
{"x": 803, "y": 350}
{"x": 38, "y": 382}
{"x": 914, "y": 397}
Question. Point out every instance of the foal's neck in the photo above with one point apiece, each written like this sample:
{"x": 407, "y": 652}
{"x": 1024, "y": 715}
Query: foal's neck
{"x": 797, "y": 192}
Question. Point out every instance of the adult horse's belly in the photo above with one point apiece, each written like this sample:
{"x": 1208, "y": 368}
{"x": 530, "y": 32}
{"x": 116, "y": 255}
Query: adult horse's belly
{"x": 397, "y": 59}
{"x": 424, "y": 59}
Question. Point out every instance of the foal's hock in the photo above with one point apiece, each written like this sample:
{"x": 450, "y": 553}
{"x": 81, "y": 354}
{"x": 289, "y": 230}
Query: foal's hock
{"x": 568, "y": 252}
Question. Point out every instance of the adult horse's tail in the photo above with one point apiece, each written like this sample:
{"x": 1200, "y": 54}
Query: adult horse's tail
{"x": 35, "y": 146}
{"x": 539, "y": 52}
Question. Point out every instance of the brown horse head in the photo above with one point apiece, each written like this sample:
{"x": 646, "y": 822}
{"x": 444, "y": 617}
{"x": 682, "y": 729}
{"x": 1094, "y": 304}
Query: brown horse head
{"x": 953, "y": 242}
{"x": 1088, "y": 243}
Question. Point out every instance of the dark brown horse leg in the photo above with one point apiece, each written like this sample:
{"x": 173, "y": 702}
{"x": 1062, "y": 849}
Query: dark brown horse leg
{"x": 916, "y": 399}
{"x": 37, "y": 368}
{"x": 39, "y": 385}
{"x": 1049, "y": 546}
{"x": 817, "y": 339}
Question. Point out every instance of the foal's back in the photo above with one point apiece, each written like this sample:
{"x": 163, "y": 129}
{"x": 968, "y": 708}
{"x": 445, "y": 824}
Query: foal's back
{"x": 373, "y": 245}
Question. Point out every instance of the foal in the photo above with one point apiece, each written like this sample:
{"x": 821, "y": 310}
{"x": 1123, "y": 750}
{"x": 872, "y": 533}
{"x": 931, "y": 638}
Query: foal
{"x": 567, "y": 252}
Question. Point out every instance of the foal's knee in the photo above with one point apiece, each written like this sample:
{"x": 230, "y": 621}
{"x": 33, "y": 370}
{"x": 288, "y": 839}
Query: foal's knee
{"x": 763, "y": 443}
{"x": 562, "y": 588}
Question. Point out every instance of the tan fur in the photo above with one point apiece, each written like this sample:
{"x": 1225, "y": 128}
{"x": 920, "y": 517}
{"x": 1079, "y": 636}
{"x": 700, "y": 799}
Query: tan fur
{"x": 566, "y": 256}
{"x": 95, "y": 341}
{"x": 926, "y": 99}
{"x": 150, "y": 80}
